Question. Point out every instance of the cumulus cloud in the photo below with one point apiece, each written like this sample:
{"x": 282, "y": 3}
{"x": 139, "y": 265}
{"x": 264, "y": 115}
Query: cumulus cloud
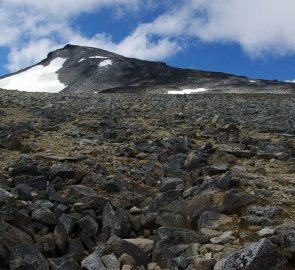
{"x": 258, "y": 26}
{"x": 33, "y": 28}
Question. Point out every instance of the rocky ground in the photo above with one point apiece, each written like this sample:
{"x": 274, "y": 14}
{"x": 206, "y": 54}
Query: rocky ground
{"x": 120, "y": 181}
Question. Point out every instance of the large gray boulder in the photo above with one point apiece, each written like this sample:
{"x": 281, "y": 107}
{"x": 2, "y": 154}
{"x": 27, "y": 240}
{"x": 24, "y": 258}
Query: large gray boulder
{"x": 260, "y": 255}
{"x": 11, "y": 236}
{"x": 25, "y": 257}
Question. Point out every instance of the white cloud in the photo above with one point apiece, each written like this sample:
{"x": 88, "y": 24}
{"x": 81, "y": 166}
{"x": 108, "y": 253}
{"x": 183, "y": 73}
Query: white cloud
{"x": 30, "y": 54}
{"x": 32, "y": 28}
{"x": 258, "y": 26}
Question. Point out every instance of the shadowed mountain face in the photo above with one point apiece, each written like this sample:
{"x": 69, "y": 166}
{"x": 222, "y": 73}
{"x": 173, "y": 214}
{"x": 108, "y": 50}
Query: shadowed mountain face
{"x": 86, "y": 69}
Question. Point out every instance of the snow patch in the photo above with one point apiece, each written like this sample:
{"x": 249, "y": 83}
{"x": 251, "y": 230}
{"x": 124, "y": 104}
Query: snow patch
{"x": 187, "y": 91}
{"x": 252, "y": 81}
{"x": 81, "y": 60}
{"x": 98, "y": 57}
{"x": 105, "y": 63}
{"x": 36, "y": 79}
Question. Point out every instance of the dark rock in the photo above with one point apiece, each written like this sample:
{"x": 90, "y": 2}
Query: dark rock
{"x": 45, "y": 216}
{"x": 193, "y": 160}
{"x": 69, "y": 264}
{"x": 3, "y": 256}
{"x": 62, "y": 172}
{"x": 227, "y": 203}
{"x": 58, "y": 158}
{"x": 26, "y": 256}
{"x": 24, "y": 170}
{"x": 112, "y": 186}
{"x": 260, "y": 255}
{"x": 169, "y": 183}
{"x": 167, "y": 238}
{"x": 88, "y": 225}
{"x": 219, "y": 183}
{"x": 174, "y": 215}
{"x": 46, "y": 244}
{"x": 13, "y": 143}
{"x": 11, "y": 236}
{"x": 92, "y": 262}
{"x": 124, "y": 221}
{"x": 60, "y": 209}
{"x": 35, "y": 182}
{"x": 234, "y": 200}
{"x": 211, "y": 220}
{"x": 181, "y": 262}
{"x": 96, "y": 203}
{"x": 259, "y": 215}
{"x": 163, "y": 199}
{"x": 148, "y": 220}
{"x": 23, "y": 192}
{"x": 119, "y": 247}
{"x": 286, "y": 241}
{"x": 42, "y": 203}
{"x": 63, "y": 229}
{"x": 110, "y": 134}
{"x": 5, "y": 196}
{"x": 215, "y": 169}
{"x": 117, "y": 221}
{"x": 267, "y": 211}
{"x": 81, "y": 193}
{"x": 3, "y": 181}
{"x": 58, "y": 183}
{"x": 241, "y": 153}
{"x": 27, "y": 148}
{"x": 54, "y": 196}
{"x": 181, "y": 145}
{"x": 255, "y": 220}
{"x": 110, "y": 221}
{"x": 150, "y": 181}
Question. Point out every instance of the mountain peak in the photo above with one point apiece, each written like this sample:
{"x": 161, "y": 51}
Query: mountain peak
{"x": 76, "y": 68}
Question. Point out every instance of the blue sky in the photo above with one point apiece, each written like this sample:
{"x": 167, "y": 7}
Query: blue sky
{"x": 255, "y": 38}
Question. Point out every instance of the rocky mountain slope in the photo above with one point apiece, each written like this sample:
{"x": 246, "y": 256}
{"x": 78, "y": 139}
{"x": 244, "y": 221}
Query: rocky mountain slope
{"x": 146, "y": 181}
{"x": 76, "y": 69}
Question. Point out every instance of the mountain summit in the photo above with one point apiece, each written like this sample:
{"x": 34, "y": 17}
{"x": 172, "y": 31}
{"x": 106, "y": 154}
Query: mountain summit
{"x": 75, "y": 69}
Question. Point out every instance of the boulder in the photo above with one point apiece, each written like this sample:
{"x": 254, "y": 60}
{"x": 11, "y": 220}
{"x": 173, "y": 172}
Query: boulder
{"x": 286, "y": 241}
{"x": 25, "y": 256}
{"x": 163, "y": 199}
{"x": 11, "y": 236}
{"x": 111, "y": 262}
{"x": 23, "y": 192}
{"x": 93, "y": 262}
{"x": 174, "y": 215}
{"x": 45, "y": 216}
{"x": 88, "y": 225}
{"x": 256, "y": 256}
{"x": 119, "y": 247}
{"x": 223, "y": 202}
{"x": 5, "y": 196}
{"x": 69, "y": 264}
{"x": 167, "y": 238}
{"x": 35, "y": 182}
{"x": 170, "y": 183}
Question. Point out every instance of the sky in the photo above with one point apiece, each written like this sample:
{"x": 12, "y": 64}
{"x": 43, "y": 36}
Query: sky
{"x": 254, "y": 38}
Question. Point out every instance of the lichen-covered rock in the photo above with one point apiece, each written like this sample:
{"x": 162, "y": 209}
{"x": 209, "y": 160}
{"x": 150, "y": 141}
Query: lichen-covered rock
{"x": 260, "y": 255}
